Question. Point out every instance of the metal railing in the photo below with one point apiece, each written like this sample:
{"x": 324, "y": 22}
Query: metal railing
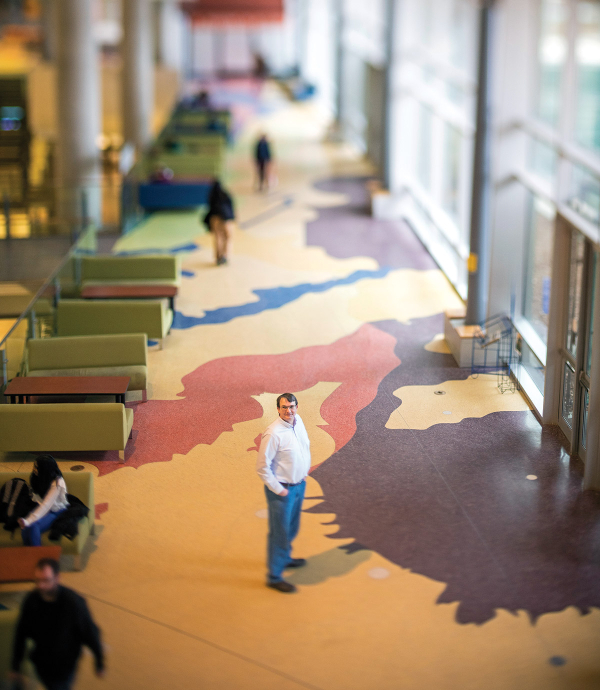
{"x": 37, "y": 317}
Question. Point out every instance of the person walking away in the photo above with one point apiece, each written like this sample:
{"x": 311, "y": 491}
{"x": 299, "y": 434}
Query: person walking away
{"x": 219, "y": 220}
{"x": 283, "y": 463}
{"x": 50, "y": 492}
{"x": 59, "y": 623}
{"x": 262, "y": 157}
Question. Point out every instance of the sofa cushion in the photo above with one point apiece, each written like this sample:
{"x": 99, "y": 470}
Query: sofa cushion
{"x": 142, "y": 268}
{"x": 137, "y": 374}
{"x": 102, "y": 283}
{"x": 91, "y": 317}
{"x": 78, "y": 352}
{"x": 63, "y": 427}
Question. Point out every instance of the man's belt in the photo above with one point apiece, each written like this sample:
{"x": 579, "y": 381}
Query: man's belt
{"x": 286, "y": 485}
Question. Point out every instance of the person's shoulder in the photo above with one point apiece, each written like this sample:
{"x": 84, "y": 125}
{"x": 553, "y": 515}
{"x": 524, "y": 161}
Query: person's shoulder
{"x": 71, "y": 596}
{"x": 273, "y": 427}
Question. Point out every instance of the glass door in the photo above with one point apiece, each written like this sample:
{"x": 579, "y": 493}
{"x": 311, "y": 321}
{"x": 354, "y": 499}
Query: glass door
{"x": 576, "y": 350}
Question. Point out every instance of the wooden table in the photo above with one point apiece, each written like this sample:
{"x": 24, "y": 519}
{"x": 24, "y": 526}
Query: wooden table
{"x": 17, "y": 563}
{"x": 21, "y": 388}
{"x": 131, "y": 292}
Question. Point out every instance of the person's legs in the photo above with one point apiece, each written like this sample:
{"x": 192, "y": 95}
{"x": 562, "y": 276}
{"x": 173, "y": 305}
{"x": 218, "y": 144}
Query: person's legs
{"x": 261, "y": 174}
{"x": 54, "y": 684}
{"x": 228, "y": 226}
{"x": 297, "y": 496}
{"x": 278, "y": 543}
{"x": 215, "y": 227}
{"x": 32, "y": 535}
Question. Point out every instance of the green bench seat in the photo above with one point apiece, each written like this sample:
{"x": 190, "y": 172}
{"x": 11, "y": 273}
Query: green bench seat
{"x": 104, "y": 317}
{"x": 93, "y": 355}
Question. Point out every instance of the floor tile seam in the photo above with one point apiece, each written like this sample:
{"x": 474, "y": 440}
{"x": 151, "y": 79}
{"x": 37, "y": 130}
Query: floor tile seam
{"x": 203, "y": 640}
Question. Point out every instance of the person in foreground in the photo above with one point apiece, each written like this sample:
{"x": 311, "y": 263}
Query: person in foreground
{"x": 50, "y": 492}
{"x": 283, "y": 464}
{"x": 58, "y": 621}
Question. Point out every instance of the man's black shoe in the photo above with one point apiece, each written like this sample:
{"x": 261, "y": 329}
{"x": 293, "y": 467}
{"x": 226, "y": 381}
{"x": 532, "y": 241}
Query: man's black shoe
{"x": 282, "y": 586}
{"x": 296, "y": 563}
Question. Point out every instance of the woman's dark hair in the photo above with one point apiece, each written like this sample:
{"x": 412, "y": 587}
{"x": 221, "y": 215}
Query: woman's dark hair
{"x": 46, "y": 471}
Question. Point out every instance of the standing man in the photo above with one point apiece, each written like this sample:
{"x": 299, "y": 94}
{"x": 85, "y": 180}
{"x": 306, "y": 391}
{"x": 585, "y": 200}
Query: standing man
{"x": 262, "y": 157}
{"x": 58, "y": 621}
{"x": 283, "y": 463}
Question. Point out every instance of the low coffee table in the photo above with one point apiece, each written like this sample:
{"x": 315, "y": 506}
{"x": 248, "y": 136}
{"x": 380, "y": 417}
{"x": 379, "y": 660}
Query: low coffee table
{"x": 21, "y": 388}
{"x": 131, "y": 292}
{"x": 18, "y": 562}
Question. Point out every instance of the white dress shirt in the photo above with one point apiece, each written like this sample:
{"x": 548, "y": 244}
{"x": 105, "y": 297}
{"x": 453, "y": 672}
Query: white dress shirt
{"x": 284, "y": 454}
{"x": 54, "y": 500}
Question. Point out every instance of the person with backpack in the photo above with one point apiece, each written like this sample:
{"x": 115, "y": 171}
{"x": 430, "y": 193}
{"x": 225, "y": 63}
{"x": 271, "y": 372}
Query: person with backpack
{"x": 219, "y": 220}
{"x": 49, "y": 491}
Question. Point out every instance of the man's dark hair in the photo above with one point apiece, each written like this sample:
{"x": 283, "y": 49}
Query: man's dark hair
{"x": 290, "y": 397}
{"x": 48, "y": 563}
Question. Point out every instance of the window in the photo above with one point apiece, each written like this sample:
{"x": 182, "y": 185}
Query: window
{"x": 575, "y": 281}
{"x": 568, "y": 394}
{"x": 451, "y": 190}
{"x": 587, "y": 57}
{"x": 542, "y": 159}
{"x": 584, "y": 194}
{"x": 588, "y": 357}
{"x": 424, "y": 153}
{"x": 552, "y": 52}
{"x": 538, "y": 265}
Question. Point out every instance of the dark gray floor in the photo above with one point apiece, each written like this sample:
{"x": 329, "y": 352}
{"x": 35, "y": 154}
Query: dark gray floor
{"x": 36, "y": 257}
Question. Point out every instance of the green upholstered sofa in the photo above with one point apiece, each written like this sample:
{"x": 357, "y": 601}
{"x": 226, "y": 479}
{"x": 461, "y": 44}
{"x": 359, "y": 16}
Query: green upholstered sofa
{"x": 8, "y": 624}
{"x": 124, "y": 354}
{"x": 130, "y": 270}
{"x": 100, "y": 317}
{"x": 65, "y": 427}
{"x": 80, "y": 484}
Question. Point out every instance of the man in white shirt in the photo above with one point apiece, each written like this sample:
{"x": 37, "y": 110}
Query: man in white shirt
{"x": 283, "y": 463}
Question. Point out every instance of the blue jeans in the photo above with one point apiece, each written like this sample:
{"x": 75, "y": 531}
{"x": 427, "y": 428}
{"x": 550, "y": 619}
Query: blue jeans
{"x": 32, "y": 535}
{"x": 284, "y": 523}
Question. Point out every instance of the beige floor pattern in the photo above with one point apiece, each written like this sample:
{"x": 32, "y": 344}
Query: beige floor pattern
{"x": 176, "y": 575}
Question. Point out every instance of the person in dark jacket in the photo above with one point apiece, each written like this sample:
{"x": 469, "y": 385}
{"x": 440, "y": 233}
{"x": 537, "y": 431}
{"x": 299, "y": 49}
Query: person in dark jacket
{"x": 219, "y": 220}
{"x": 58, "y": 621}
{"x": 262, "y": 158}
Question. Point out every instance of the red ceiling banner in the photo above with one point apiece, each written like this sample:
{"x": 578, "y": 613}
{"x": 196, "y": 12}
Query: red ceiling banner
{"x": 234, "y": 11}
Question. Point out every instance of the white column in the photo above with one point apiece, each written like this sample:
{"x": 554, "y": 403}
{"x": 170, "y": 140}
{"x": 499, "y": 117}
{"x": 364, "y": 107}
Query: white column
{"x": 78, "y": 113}
{"x": 138, "y": 72}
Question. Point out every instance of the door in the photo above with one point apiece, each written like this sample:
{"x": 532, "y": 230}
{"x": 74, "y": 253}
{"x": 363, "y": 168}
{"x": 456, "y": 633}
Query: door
{"x": 576, "y": 346}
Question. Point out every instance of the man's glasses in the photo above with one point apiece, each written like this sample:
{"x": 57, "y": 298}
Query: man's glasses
{"x": 291, "y": 407}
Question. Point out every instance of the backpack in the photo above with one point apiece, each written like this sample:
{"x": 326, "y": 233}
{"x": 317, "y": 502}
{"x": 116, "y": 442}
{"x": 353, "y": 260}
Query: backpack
{"x": 15, "y": 503}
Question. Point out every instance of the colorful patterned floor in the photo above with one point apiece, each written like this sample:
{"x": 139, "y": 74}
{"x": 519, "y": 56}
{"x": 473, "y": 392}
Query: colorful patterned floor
{"x": 433, "y": 560}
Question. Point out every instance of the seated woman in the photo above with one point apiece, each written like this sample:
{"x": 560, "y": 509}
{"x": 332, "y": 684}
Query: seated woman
{"x": 50, "y": 491}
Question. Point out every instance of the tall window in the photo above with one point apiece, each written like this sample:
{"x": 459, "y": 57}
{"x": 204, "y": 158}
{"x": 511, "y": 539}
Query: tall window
{"x": 587, "y": 57}
{"x": 552, "y": 53}
{"x": 451, "y": 189}
{"x": 424, "y": 156}
{"x": 538, "y": 265}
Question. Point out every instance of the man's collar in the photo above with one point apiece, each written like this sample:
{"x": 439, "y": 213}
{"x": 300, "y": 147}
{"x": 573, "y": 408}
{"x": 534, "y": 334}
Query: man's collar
{"x": 291, "y": 426}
